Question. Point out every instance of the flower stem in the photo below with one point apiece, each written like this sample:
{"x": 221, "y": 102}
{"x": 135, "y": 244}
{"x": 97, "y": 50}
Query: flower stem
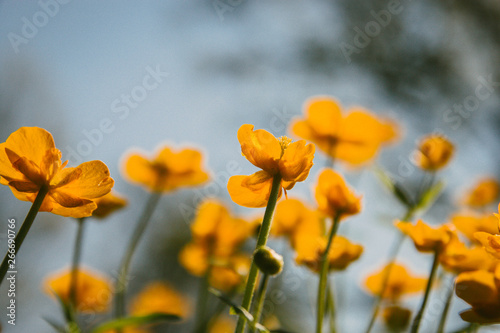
{"x": 261, "y": 241}
{"x": 23, "y": 231}
{"x": 444, "y": 314}
{"x": 201, "y": 309}
{"x": 323, "y": 278}
{"x": 418, "y": 318}
{"x": 259, "y": 301}
{"x": 121, "y": 282}
{"x": 76, "y": 261}
{"x": 395, "y": 248}
{"x": 331, "y": 306}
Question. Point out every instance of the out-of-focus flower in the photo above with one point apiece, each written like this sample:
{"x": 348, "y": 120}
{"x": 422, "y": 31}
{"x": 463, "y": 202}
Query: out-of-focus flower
{"x": 434, "y": 152}
{"x": 290, "y": 160}
{"x": 354, "y": 138}
{"x": 491, "y": 243}
{"x": 29, "y": 161}
{"x": 469, "y": 224}
{"x": 216, "y": 229}
{"x": 167, "y": 171}
{"x": 426, "y": 238}
{"x": 458, "y": 258}
{"x": 400, "y": 282}
{"x": 334, "y": 197}
{"x": 226, "y": 273}
{"x": 310, "y": 247}
{"x": 107, "y": 204}
{"x": 484, "y": 193}
{"x": 396, "y": 318}
{"x": 223, "y": 324}
{"x": 481, "y": 289}
{"x": 289, "y": 215}
{"x": 159, "y": 297}
{"x": 93, "y": 291}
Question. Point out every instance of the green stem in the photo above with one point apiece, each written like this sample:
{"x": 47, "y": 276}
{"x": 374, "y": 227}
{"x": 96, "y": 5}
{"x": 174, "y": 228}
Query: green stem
{"x": 444, "y": 314}
{"x": 121, "y": 282}
{"x": 259, "y": 301}
{"x": 418, "y": 318}
{"x": 331, "y": 306}
{"x": 261, "y": 241}
{"x": 23, "y": 231}
{"x": 395, "y": 248}
{"x": 76, "y": 262}
{"x": 323, "y": 278}
{"x": 201, "y": 308}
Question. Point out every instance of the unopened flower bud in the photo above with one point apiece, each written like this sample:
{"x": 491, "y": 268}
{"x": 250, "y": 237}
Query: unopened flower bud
{"x": 268, "y": 261}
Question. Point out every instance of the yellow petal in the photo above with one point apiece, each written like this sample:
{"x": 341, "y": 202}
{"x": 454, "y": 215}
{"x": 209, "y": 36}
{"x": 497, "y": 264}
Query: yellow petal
{"x": 296, "y": 161}
{"x": 159, "y": 297}
{"x": 260, "y": 147}
{"x": 139, "y": 170}
{"x": 67, "y": 200}
{"x": 476, "y": 288}
{"x": 94, "y": 181}
{"x": 324, "y": 116}
{"x": 251, "y": 191}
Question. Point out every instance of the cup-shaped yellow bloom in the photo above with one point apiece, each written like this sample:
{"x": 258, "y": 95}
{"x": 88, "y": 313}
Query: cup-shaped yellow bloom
{"x": 167, "y": 171}
{"x": 458, "y": 258}
{"x": 491, "y": 243}
{"x": 484, "y": 193}
{"x": 218, "y": 230}
{"x": 159, "y": 297}
{"x": 426, "y": 238}
{"x": 310, "y": 247}
{"x": 334, "y": 197}
{"x": 289, "y": 215}
{"x": 290, "y": 160}
{"x": 396, "y": 318}
{"x": 93, "y": 290}
{"x": 434, "y": 152}
{"x": 223, "y": 324}
{"x": 481, "y": 290}
{"x": 354, "y": 138}
{"x": 469, "y": 224}
{"x": 29, "y": 161}
{"x": 400, "y": 282}
{"x": 107, "y": 204}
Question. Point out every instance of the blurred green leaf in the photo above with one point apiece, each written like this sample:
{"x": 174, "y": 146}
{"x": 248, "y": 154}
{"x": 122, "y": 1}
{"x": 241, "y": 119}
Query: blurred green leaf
{"x": 430, "y": 196}
{"x": 398, "y": 191}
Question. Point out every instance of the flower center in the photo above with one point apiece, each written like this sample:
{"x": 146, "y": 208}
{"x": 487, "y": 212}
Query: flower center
{"x": 284, "y": 143}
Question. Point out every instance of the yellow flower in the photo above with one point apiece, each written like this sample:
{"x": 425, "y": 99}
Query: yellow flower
{"x": 159, "y": 297}
{"x": 218, "y": 230}
{"x": 396, "y": 318}
{"x": 167, "y": 171}
{"x": 491, "y": 243}
{"x": 29, "y": 161}
{"x": 434, "y": 152}
{"x": 334, "y": 197}
{"x": 226, "y": 273}
{"x": 93, "y": 291}
{"x": 223, "y": 325}
{"x": 458, "y": 258}
{"x": 481, "y": 289}
{"x": 107, "y": 204}
{"x": 290, "y": 160}
{"x": 310, "y": 247}
{"x": 469, "y": 224}
{"x": 354, "y": 138}
{"x": 289, "y": 215}
{"x": 426, "y": 238}
{"x": 400, "y": 282}
{"x": 484, "y": 193}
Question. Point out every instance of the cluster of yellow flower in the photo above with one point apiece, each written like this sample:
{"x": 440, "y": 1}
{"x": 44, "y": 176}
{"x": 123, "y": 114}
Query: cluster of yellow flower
{"x": 468, "y": 247}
